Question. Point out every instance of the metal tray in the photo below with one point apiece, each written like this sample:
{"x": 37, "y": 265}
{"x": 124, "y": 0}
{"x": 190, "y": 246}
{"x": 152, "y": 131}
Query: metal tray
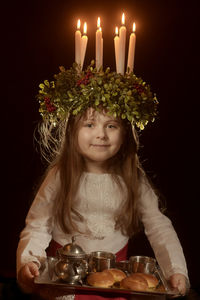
{"x": 44, "y": 279}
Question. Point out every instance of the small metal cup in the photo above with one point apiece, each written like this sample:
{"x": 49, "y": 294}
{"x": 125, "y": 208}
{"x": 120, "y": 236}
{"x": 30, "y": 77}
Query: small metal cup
{"x": 142, "y": 264}
{"x": 101, "y": 260}
{"x": 123, "y": 265}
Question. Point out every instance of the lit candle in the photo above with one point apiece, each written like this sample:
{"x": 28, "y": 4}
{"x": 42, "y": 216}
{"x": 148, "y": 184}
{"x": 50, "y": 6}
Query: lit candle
{"x": 78, "y": 44}
{"x": 84, "y": 41}
{"x": 122, "y": 45}
{"x": 131, "y": 51}
{"x": 116, "y": 44}
{"x": 99, "y": 46}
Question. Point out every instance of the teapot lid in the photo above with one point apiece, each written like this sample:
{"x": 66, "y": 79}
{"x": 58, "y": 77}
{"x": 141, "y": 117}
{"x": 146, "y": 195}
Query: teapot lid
{"x": 73, "y": 250}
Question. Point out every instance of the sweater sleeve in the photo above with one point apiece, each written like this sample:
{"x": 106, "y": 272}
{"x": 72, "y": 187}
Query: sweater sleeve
{"x": 37, "y": 234}
{"x": 161, "y": 234}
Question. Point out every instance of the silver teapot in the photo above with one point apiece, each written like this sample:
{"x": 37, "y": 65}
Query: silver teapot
{"x": 72, "y": 263}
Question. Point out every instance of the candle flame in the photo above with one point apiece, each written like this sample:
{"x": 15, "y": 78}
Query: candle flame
{"x": 78, "y": 24}
{"x": 134, "y": 27}
{"x": 98, "y": 22}
{"x": 85, "y": 28}
{"x": 123, "y": 18}
{"x": 116, "y": 30}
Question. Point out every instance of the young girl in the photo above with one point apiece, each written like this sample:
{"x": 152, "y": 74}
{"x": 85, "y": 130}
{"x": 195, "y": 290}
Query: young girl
{"x": 96, "y": 189}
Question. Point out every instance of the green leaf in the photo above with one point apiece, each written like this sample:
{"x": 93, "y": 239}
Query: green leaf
{"x": 107, "y": 96}
{"x": 41, "y": 85}
{"x": 46, "y": 82}
{"x": 117, "y": 81}
{"x": 99, "y": 81}
{"x": 123, "y": 116}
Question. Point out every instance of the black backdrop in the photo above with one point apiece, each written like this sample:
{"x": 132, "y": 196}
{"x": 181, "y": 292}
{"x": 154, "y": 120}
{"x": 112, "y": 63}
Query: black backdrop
{"x": 38, "y": 36}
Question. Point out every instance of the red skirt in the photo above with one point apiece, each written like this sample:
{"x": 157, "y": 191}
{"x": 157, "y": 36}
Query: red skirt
{"x": 120, "y": 255}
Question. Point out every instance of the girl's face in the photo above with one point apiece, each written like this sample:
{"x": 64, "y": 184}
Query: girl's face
{"x": 99, "y": 138}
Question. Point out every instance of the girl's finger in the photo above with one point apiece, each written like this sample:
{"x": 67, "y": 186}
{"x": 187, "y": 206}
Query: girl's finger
{"x": 34, "y": 269}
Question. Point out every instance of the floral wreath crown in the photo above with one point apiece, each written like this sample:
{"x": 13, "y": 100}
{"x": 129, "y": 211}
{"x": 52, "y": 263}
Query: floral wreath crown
{"x": 74, "y": 90}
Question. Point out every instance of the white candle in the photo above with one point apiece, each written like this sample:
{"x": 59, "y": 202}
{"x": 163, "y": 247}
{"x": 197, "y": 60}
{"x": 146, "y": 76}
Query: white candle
{"x": 99, "y": 45}
{"x": 84, "y": 41}
{"x": 122, "y": 46}
{"x": 131, "y": 51}
{"x": 78, "y": 44}
{"x": 102, "y": 52}
{"x": 116, "y": 44}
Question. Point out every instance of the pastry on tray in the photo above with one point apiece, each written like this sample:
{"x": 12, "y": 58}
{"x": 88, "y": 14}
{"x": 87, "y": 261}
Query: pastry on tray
{"x": 139, "y": 282}
{"x": 117, "y": 278}
{"x": 106, "y": 278}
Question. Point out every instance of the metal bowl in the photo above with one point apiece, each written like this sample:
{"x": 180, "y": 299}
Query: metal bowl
{"x": 142, "y": 264}
{"x": 101, "y": 260}
{"x": 123, "y": 265}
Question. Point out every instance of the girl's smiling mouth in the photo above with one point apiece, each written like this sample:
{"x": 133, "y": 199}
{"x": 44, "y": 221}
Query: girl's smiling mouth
{"x": 100, "y": 145}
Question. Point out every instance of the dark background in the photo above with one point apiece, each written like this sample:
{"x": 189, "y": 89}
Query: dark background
{"x": 38, "y": 36}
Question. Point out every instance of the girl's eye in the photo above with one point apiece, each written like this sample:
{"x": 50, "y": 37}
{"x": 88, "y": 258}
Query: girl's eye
{"x": 89, "y": 125}
{"x": 112, "y": 126}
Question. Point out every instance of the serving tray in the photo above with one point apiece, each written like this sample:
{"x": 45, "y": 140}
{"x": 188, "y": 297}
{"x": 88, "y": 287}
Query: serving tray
{"x": 44, "y": 279}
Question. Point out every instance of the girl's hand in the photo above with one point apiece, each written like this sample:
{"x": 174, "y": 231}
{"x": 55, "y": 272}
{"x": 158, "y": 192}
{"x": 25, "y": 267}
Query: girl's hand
{"x": 26, "y": 276}
{"x": 180, "y": 282}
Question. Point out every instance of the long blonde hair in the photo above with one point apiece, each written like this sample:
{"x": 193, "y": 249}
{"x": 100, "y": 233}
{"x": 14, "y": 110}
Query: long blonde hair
{"x": 62, "y": 146}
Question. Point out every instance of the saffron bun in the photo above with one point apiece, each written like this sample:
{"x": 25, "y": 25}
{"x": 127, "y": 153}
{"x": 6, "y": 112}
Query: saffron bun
{"x": 101, "y": 279}
{"x": 117, "y": 274}
{"x": 140, "y": 282}
{"x": 151, "y": 279}
{"x": 134, "y": 282}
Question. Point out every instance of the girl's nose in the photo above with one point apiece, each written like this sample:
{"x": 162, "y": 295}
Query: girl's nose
{"x": 101, "y": 132}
